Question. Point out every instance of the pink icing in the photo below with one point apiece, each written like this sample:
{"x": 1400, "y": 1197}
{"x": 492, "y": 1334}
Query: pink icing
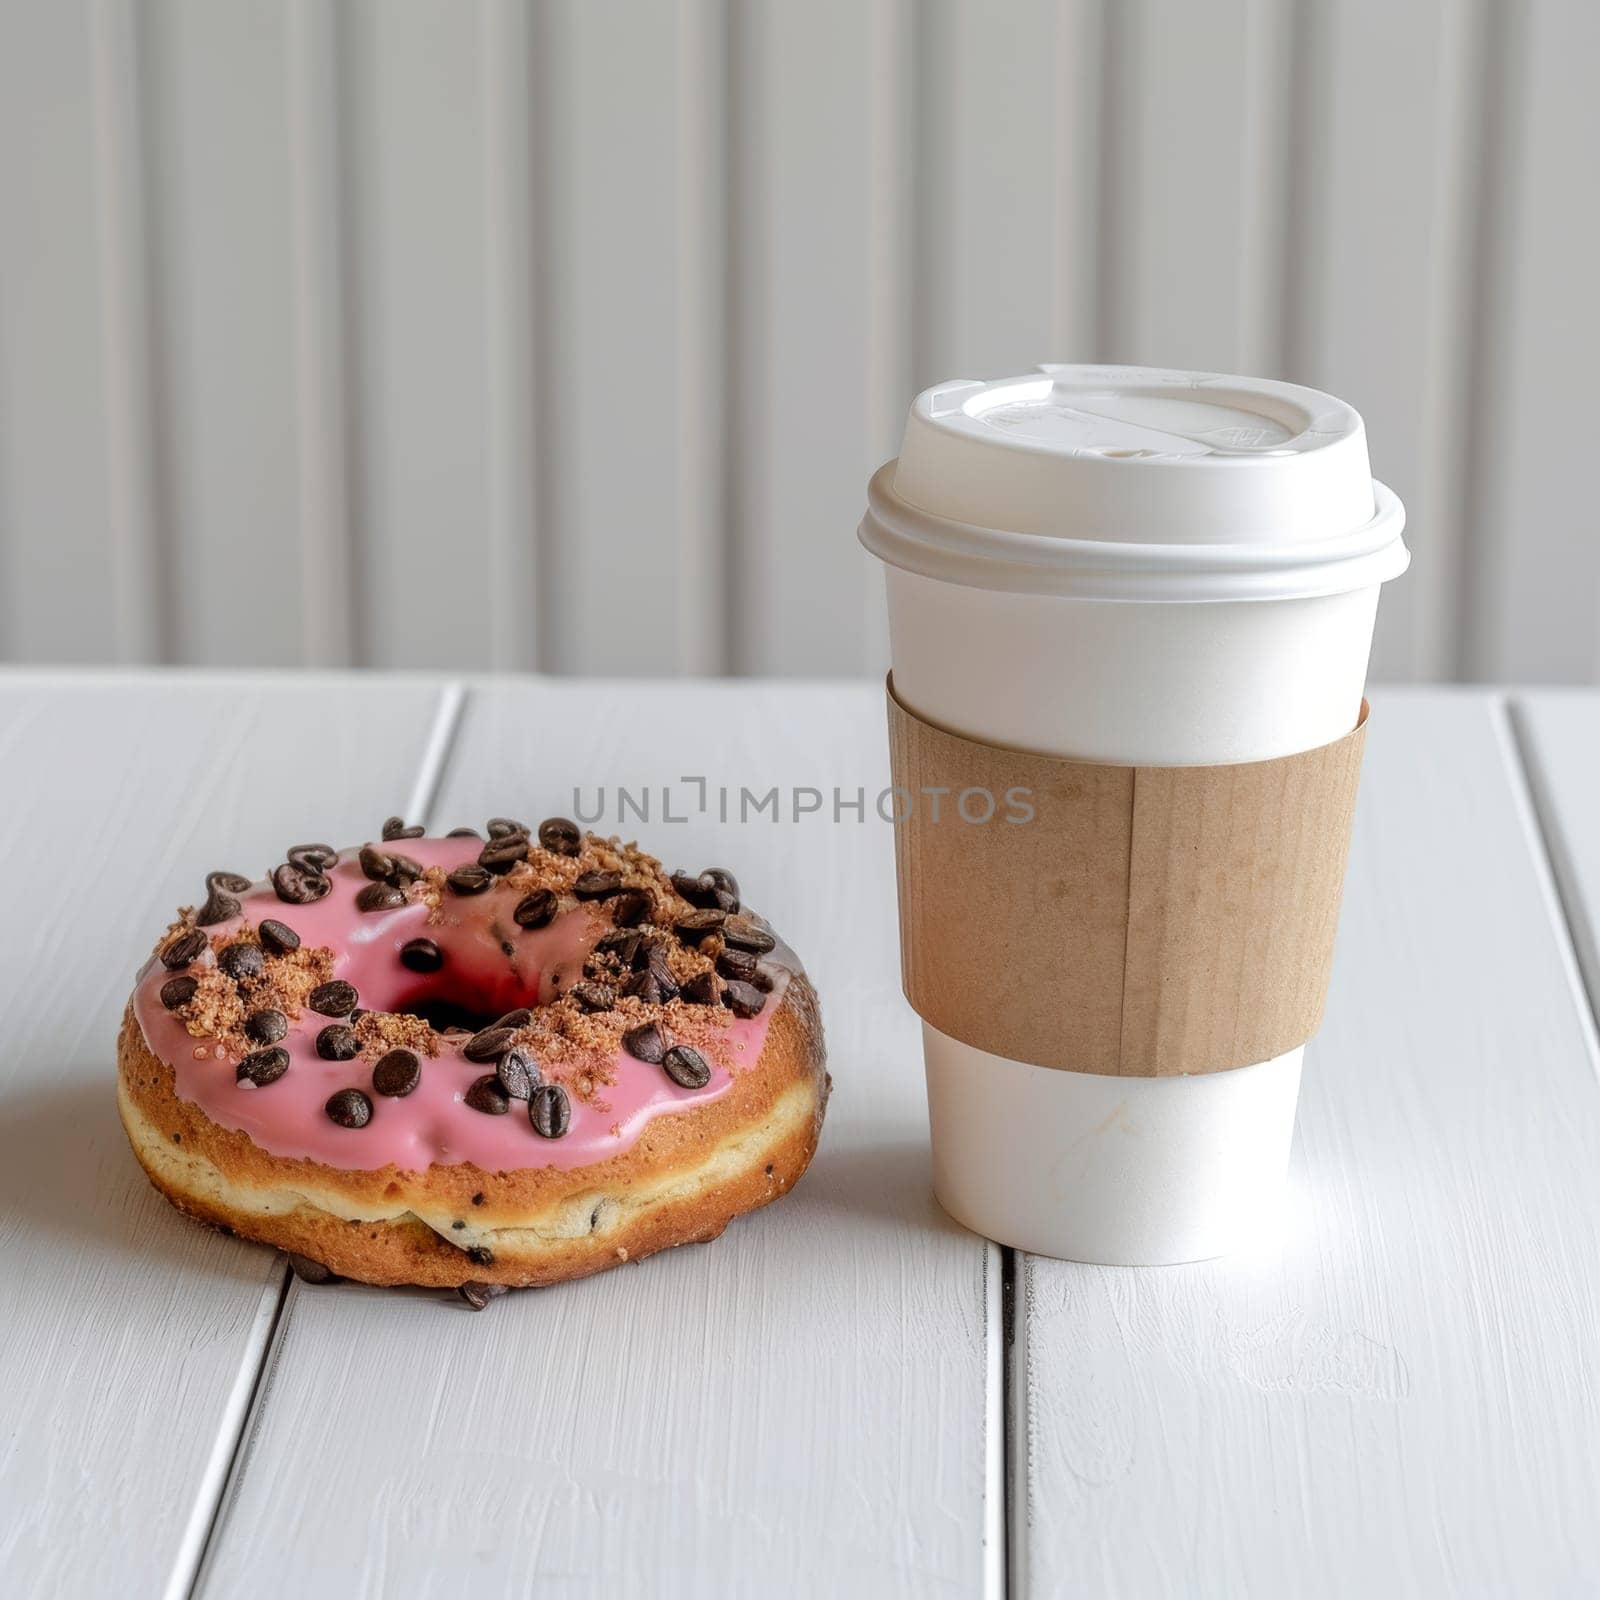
{"x": 431, "y": 1125}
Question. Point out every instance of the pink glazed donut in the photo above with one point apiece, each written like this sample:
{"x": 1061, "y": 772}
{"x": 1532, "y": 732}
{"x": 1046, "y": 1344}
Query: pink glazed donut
{"x": 471, "y": 1062}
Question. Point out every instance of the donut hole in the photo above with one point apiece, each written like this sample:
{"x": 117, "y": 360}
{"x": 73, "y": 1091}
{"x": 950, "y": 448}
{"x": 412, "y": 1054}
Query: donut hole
{"x": 444, "y": 1003}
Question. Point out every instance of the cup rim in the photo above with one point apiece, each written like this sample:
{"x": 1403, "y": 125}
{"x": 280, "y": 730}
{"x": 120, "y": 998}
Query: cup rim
{"x": 970, "y": 555}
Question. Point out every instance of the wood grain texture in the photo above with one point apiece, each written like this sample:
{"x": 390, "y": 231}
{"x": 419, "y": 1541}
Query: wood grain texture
{"x": 1399, "y": 1395}
{"x": 131, "y": 1338}
{"x": 796, "y": 1409}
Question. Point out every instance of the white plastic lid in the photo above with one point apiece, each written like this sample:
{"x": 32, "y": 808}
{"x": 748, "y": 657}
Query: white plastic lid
{"x": 1136, "y": 483}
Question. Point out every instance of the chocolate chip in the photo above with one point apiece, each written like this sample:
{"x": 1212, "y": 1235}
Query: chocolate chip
{"x": 380, "y": 897}
{"x": 480, "y": 1255}
{"x": 299, "y": 885}
{"x": 518, "y": 1074}
{"x": 336, "y": 1042}
{"x": 506, "y": 827}
{"x": 177, "y": 992}
{"x": 645, "y": 1043}
{"x": 686, "y": 1067}
{"x": 739, "y": 964}
{"x": 266, "y": 1027}
{"x": 221, "y": 887}
{"x": 488, "y": 1044}
{"x": 743, "y": 999}
{"x": 349, "y": 1108}
{"x": 550, "y": 1111}
{"x": 336, "y": 998}
{"x": 397, "y": 1074}
{"x": 520, "y": 1018}
{"x": 182, "y": 948}
{"x": 463, "y": 833}
{"x": 536, "y": 910}
{"x": 631, "y": 907}
{"x": 421, "y": 955}
{"x": 478, "y": 1295}
{"x": 743, "y": 934}
{"x": 699, "y": 889}
{"x": 309, "y": 1271}
{"x": 278, "y": 938}
{"x": 470, "y": 879}
{"x": 262, "y": 1067}
{"x": 597, "y": 885}
{"x": 698, "y": 925}
{"x": 241, "y": 961}
{"x": 593, "y": 995}
{"x": 726, "y": 885}
{"x": 502, "y": 854}
{"x": 487, "y": 1096}
{"x": 560, "y": 837}
{"x": 702, "y": 990}
{"x": 395, "y": 828}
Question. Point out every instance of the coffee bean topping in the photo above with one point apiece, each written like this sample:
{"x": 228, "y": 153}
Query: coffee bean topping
{"x": 336, "y": 1042}
{"x": 536, "y": 910}
{"x": 502, "y": 854}
{"x": 518, "y": 1074}
{"x": 316, "y": 856}
{"x": 488, "y": 1044}
{"x": 632, "y": 907}
{"x": 470, "y": 879}
{"x": 743, "y": 999}
{"x": 644, "y": 986}
{"x": 262, "y": 1067}
{"x": 184, "y": 947}
{"x": 597, "y": 885}
{"x": 550, "y": 1111}
{"x": 727, "y": 886}
{"x": 421, "y": 955}
{"x": 309, "y": 1271}
{"x": 463, "y": 833}
{"x": 520, "y": 1018}
{"x": 177, "y": 992}
{"x": 743, "y": 934}
{"x": 739, "y": 964}
{"x": 221, "y": 887}
{"x": 702, "y": 990}
{"x": 336, "y": 998}
{"x": 686, "y": 1067}
{"x": 278, "y": 938}
{"x": 593, "y": 995}
{"x": 645, "y": 1043}
{"x": 380, "y": 897}
{"x": 395, "y": 828}
{"x": 396, "y": 1074}
{"x": 487, "y": 1096}
{"x": 506, "y": 827}
{"x": 299, "y": 885}
{"x": 698, "y": 888}
{"x": 560, "y": 837}
{"x": 266, "y": 1027}
{"x": 349, "y": 1108}
{"x": 241, "y": 961}
{"x": 375, "y": 864}
{"x": 405, "y": 870}
{"x": 698, "y": 924}
{"x": 478, "y": 1295}
{"x": 625, "y": 945}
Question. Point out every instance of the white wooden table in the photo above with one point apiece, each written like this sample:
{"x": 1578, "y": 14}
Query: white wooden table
{"x": 848, "y": 1394}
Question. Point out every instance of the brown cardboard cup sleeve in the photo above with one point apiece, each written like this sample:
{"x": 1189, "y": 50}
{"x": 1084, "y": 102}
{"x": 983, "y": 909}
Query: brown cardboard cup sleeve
{"x": 1132, "y": 921}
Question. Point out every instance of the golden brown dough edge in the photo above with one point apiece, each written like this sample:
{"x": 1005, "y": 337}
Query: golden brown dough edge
{"x": 685, "y": 1178}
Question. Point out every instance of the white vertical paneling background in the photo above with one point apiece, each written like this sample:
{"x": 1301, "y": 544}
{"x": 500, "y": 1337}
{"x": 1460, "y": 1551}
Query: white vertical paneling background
{"x": 564, "y": 334}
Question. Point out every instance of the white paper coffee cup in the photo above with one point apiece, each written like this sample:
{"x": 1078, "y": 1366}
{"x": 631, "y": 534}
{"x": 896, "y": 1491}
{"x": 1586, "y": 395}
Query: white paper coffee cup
{"x": 1143, "y": 567}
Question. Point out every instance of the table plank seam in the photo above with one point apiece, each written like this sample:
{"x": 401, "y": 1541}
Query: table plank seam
{"x": 1554, "y": 866}
{"x": 447, "y": 718}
